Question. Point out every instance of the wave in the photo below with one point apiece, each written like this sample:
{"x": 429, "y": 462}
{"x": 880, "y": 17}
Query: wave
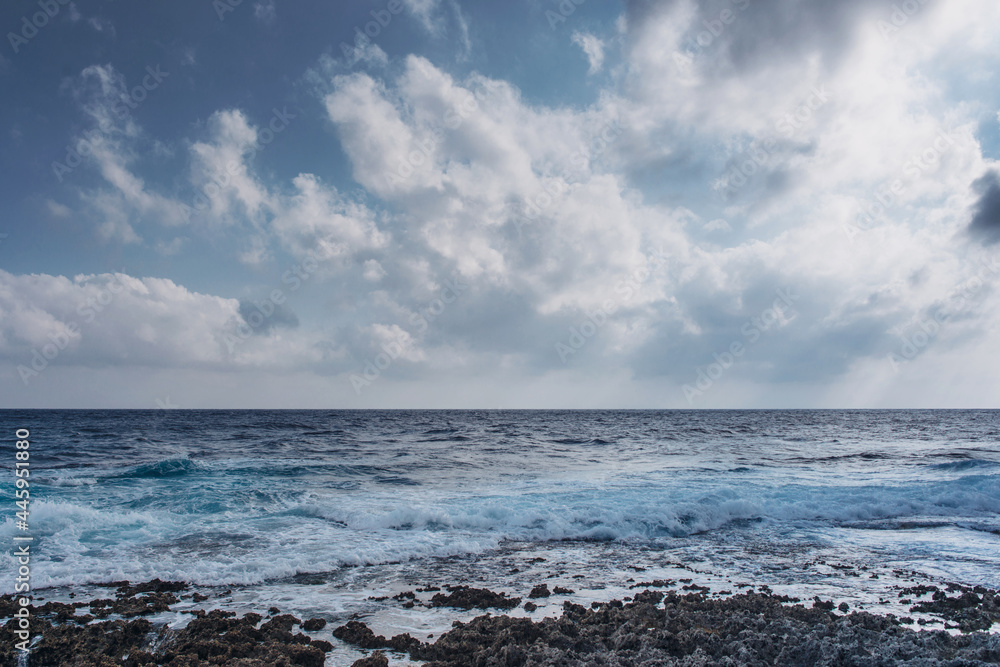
{"x": 228, "y": 532}
{"x": 967, "y": 463}
{"x": 165, "y": 468}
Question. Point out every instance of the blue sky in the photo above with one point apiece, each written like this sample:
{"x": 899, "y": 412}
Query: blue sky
{"x": 681, "y": 203}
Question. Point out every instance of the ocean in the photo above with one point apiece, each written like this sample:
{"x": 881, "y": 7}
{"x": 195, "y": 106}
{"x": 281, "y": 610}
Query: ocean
{"x": 324, "y": 512}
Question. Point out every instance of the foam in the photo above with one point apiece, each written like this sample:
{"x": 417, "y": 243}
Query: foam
{"x": 257, "y": 536}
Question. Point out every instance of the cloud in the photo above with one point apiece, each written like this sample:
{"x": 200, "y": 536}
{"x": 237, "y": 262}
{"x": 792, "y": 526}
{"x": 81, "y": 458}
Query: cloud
{"x": 543, "y": 204}
{"x": 57, "y": 210}
{"x": 791, "y": 149}
{"x": 102, "y": 25}
{"x": 278, "y": 315}
{"x": 112, "y": 144}
{"x": 265, "y": 12}
{"x": 222, "y": 173}
{"x": 986, "y": 211}
{"x": 111, "y": 319}
{"x": 425, "y": 11}
{"x": 318, "y": 220}
{"x": 593, "y": 48}
{"x": 117, "y": 320}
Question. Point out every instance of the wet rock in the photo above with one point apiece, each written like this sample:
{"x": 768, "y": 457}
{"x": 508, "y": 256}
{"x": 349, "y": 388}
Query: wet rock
{"x": 656, "y": 583}
{"x": 530, "y": 606}
{"x": 358, "y": 634}
{"x": 749, "y": 629}
{"x": 376, "y": 659}
{"x": 211, "y": 638}
{"x": 464, "y": 597}
{"x": 314, "y": 624}
{"x": 973, "y": 609}
{"x": 559, "y": 590}
{"x": 540, "y": 591}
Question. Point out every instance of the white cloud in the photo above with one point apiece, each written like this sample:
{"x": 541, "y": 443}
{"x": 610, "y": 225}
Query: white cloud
{"x": 424, "y": 11}
{"x": 120, "y": 320}
{"x": 318, "y": 220}
{"x": 102, "y": 25}
{"x": 221, "y": 171}
{"x": 265, "y": 11}
{"x": 373, "y": 271}
{"x": 593, "y": 47}
{"x": 57, "y": 210}
{"x": 111, "y": 145}
{"x": 551, "y": 213}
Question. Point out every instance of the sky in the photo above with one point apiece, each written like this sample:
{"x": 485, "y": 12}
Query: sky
{"x": 523, "y": 204}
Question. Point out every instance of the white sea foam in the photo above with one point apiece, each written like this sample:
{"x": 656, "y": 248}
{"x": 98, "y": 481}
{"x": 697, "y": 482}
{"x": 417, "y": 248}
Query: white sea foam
{"x": 321, "y": 532}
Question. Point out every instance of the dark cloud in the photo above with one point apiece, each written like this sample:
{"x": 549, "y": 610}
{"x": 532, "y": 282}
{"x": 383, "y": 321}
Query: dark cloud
{"x": 264, "y": 316}
{"x": 759, "y": 34}
{"x": 986, "y": 212}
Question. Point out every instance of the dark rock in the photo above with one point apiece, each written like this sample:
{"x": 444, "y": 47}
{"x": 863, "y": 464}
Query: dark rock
{"x": 463, "y": 597}
{"x": 211, "y": 638}
{"x": 322, "y": 645}
{"x": 358, "y": 634}
{"x": 376, "y": 659}
{"x": 314, "y": 624}
{"x": 658, "y": 583}
{"x": 748, "y": 629}
{"x": 539, "y": 591}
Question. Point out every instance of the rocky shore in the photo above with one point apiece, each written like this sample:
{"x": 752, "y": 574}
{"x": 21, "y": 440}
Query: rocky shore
{"x": 652, "y": 627}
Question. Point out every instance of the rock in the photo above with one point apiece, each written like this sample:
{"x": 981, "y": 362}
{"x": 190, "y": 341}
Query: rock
{"x": 463, "y": 597}
{"x": 376, "y": 659}
{"x": 314, "y": 624}
{"x": 539, "y": 591}
{"x": 748, "y": 629}
{"x": 358, "y": 634}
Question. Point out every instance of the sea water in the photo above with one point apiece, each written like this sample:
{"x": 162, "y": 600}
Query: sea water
{"x": 318, "y": 511}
